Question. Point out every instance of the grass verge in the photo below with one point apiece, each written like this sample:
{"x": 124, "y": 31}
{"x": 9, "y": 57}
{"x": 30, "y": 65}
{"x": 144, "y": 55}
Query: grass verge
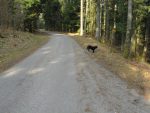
{"x": 14, "y": 46}
{"x": 136, "y": 74}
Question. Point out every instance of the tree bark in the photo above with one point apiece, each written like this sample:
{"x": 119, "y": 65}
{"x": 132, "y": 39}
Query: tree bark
{"x": 86, "y": 15}
{"x": 128, "y": 32}
{"x": 81, "y": 18}
{"x": 107, "y": 21}
{"x": 146, "y": 52}
{"x": 97, "y": 35}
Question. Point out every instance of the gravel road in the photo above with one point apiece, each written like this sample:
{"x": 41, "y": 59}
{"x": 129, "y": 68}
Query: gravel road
{"x": 61, "y": 78}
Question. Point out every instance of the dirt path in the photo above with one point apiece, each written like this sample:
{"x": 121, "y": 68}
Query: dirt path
{"x": 61, "y": 78}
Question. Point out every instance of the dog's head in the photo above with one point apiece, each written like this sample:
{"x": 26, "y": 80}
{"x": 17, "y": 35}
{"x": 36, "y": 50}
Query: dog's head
{"x": 95, "y": 47}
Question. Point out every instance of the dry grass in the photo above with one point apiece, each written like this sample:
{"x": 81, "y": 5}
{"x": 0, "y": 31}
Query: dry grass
{"x": 137, "y": 75}
{"x": 15, "y": 46}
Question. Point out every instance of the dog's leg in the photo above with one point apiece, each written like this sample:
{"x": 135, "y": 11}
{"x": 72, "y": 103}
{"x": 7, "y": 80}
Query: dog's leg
{"x": 93, "y": 50}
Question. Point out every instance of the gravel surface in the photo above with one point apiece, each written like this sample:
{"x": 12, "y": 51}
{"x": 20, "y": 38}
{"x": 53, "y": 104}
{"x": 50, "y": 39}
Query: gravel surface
{"x": 61, "y": 78}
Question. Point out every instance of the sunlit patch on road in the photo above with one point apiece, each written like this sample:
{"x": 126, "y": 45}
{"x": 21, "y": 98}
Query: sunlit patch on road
{"x": 35, "y": 71}
{"x": 45, "y": 52}
{"x": 12, "y": 72}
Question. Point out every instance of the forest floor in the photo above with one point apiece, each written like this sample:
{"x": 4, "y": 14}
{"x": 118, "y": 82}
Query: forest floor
{"x": 136, "y": 74}
{"x": 14, "y": 46}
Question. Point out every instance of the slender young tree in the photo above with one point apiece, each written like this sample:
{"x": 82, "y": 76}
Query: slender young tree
{"x": 129, "y": 30}
{"x": 86, "y": 15}
{"x": 113, "y": 34}
{"x": 81, "y": 19}
{"x": 107, "y": 20}
{"x": 97, "y": 35}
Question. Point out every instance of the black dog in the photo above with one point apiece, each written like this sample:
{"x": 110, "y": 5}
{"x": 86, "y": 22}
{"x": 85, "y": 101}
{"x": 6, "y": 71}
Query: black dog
{"x": 91, "y": 47}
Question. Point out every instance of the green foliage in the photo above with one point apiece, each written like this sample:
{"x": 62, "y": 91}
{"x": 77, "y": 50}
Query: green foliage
{"x": 32, "y": 10}
{"x": 70, "y": 12}
{"x": 52, "y": 14}
{"x": 61, "y": 15}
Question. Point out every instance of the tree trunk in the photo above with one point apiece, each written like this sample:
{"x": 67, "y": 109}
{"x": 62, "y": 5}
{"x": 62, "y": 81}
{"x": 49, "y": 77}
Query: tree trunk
{"x": 107, "y": 21}
{"x": 146, "y": 52}
{"x": 113, "y": 32}
{"x": 128, "y": 32}
{"x": 86, "y": 15}
{"x": 97, "y": 35}
{"x": 81, "y": 18}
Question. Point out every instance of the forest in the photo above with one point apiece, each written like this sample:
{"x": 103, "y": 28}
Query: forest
{"x": 121, "y": 24}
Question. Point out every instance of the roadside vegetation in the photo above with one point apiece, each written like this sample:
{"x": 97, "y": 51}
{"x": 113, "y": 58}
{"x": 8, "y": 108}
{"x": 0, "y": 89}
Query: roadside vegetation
{"x": 19, "y": 21}
{"x": 16, "y": 46}
{"x": 136, "y": 74}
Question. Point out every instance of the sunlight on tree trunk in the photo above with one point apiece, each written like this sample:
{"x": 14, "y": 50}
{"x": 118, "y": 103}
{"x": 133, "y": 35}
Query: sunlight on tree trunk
{"x": 97, "y": 35}
{"x": 81, "y": 18}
